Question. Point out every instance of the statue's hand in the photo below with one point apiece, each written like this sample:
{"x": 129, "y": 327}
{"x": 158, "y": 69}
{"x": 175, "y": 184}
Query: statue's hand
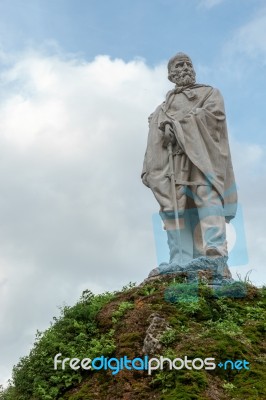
{"x": 169, "y": 136}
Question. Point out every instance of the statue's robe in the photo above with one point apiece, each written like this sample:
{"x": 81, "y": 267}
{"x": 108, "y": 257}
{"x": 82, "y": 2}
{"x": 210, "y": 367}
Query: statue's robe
{"x": 197, "y": 116}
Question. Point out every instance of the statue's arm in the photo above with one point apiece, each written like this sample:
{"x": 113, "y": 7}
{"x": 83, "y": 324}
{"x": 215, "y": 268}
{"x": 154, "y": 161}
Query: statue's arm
{"x": 144, "y": 168}
{"x": 144, "y": 171}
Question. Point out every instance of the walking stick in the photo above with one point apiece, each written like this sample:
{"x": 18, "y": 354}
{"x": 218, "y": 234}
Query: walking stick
{"x": 173, "y": 192}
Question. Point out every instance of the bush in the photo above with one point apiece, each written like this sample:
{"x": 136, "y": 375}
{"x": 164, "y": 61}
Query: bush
{"x": 75, "y": 335}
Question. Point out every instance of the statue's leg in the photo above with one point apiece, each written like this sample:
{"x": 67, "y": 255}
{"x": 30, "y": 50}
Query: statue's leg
{"x": 197, "y": 234}
{"x": 212, "y": 228}
{"x": 173, "y": 238}
{"x": 211, "y": 221}
{"x": 176, "y": 242}
{"x": 193, "y": 217}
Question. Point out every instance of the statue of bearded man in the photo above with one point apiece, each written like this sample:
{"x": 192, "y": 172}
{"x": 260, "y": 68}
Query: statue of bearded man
{"x": 192, "y": 118}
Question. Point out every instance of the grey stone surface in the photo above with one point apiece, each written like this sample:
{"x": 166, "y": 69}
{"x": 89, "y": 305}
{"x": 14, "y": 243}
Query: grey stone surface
{"x": 156, "y": 329}
{"x": 218, "y": 271}
{"x": 188, "y": 167}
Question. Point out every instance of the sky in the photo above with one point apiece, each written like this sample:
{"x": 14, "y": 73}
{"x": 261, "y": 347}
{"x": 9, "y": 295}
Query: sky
{"x": 78, "y": 80}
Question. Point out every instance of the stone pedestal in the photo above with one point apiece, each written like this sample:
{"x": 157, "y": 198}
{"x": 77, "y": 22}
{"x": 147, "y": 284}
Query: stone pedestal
{"x": 213, "y": 270}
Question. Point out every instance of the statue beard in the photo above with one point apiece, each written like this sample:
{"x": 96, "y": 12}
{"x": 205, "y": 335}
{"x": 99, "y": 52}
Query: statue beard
{"x": 184, "y": 78}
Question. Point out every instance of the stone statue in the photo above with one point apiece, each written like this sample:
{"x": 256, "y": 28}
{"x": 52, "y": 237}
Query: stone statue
{"x": 199, "y": 196}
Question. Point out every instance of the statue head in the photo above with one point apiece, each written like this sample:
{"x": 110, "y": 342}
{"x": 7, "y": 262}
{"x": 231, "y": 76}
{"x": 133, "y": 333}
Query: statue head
{"x": 180, "y": 70}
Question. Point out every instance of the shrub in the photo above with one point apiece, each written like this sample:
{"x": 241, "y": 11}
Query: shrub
{"x": 73, "y": 334}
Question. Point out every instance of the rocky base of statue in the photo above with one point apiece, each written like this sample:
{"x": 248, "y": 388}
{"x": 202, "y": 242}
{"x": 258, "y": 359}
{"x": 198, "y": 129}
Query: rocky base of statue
{"x": 213, "y": 270}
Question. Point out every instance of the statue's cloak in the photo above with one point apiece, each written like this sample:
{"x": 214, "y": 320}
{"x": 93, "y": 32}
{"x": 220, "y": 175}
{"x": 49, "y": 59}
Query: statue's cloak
{"x": 201, "y": 132}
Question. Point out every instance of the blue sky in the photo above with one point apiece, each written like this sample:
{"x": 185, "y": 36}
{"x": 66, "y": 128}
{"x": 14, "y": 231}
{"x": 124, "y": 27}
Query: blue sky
{"x": 123, "y": 28}
{"x": 153, "y": 30}
{"x": 78, "y": 80}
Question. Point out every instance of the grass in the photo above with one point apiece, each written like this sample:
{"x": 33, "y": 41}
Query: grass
{"x": 228, "y": 324}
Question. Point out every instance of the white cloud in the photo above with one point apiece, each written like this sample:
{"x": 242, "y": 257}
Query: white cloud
{"x": 250, "y": 170}
{"x": 73, "y": 211}
{"x": 250, "y": 39}
{"x": 72, "y": 140}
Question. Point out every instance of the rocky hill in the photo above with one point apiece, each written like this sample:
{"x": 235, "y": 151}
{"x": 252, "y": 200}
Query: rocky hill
{"x": 224, "y": 329}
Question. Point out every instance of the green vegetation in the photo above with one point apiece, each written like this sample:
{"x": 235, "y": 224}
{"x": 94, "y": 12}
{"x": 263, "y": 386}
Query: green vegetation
{"x": 169, "y": 337}
{"x": 121, "y": 310}
{"x": 229, "y": 323}
{"x": 73, "y": 334}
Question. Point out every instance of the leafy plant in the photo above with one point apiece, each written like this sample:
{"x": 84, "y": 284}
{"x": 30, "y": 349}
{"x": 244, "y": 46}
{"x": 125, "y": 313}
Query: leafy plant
{"x": 229, "y": 386}
{"x": 122, "y": 309}
{"x": 168, "y": 337}
{"x": 128, "y": 287}
{"x": 226, "y": 327}
{"x": 233, "y": 290}
{"x": 246, "y": 277}
{"x": 181, "y": 293}
{"x": 147, "y": 290}
{"x": 74, "y": 334}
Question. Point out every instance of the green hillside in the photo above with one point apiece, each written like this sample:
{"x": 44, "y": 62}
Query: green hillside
{"x": 226, "y": 324}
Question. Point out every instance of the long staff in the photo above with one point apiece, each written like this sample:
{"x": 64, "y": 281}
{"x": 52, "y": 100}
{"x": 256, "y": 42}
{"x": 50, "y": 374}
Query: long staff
{"x": 173, "y": 192}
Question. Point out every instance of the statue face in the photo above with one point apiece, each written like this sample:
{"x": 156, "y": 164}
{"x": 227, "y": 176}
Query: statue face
{"x": 182, "y": 72}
